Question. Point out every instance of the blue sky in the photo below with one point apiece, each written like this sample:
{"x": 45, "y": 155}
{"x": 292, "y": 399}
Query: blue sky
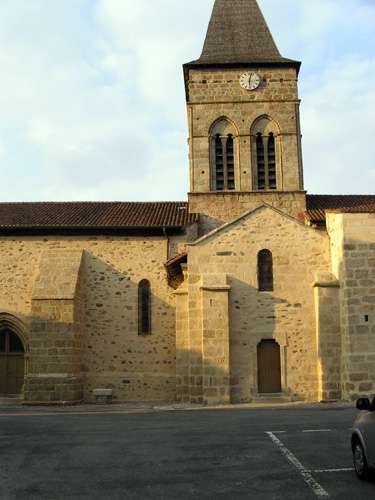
{"x": 92, "y": 99}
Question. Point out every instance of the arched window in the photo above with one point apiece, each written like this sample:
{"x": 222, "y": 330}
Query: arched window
{"x": 271, "y": 162}
{"x": 230, "y": 163}
{"x": 144, "y": 308}
{"x": 265, "y": 162}
{"x": 219, "y": 163}
{"x": 260, "y": 163}
{"x": 223, "y": 158}
{"x": 265, "y": 271}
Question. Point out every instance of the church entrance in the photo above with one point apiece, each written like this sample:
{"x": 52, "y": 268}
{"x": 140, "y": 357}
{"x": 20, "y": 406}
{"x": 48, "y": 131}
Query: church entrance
{"x": 12, "y": 363}
{"x": 269, "y": 367}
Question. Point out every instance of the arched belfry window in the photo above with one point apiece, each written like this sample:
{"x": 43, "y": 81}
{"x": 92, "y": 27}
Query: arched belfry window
{"x": 265, "y": 271}
{"x": 144, "y": 308}
{"x": 231, "y": 184}
{"x": 223, "y": 156}
{"x": 271, "y": 152}
{"x": 261, "y": 173}
{"x": 265, "y": 163}
{"x": 219, "y": 163}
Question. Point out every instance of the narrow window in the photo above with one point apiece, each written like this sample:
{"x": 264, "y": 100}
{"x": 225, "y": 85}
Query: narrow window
{"x": 230, "y": 163}
{"x": 265, "y": 271}
{"x": 2, "y": 341}
{"x": 219, "y": 163}
{"x": 261, "y": 167}
{"x": 271, "y": 162}
{"x": 144, "y": 308}
{"x": 223, "y": 161}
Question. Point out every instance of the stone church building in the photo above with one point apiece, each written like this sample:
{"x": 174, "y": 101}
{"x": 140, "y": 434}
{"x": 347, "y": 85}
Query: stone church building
{"x": 250, "y": 288}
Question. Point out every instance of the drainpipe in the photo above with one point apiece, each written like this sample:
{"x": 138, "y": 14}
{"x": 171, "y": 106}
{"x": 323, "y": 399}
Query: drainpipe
{"x": 166, "y": 236}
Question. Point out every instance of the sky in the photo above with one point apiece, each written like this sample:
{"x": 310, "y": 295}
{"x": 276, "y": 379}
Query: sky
{"x": 92, "y": 103}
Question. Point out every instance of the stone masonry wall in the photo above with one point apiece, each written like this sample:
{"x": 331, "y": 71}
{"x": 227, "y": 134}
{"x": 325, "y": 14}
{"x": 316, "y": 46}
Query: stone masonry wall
{"x": 217, "y": 93}
{"x": 215, "y": 338}
{"x": 218, "y": 208}
{"x": 182, "y": 344}
{"x": 328, "y": 335}
{"x": 54, "y": 369}
{"x": 286, "y": 315}
{"x": 353, "y": 261}
{"x": 113, "y": 354}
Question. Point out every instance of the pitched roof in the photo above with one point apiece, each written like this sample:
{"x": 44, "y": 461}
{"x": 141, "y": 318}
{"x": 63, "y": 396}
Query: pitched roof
{"x": 249, "y": 213}
{"x": 318, "y": 204}
{"x": 95, "y": 215}
{"x": 238, "y": 33}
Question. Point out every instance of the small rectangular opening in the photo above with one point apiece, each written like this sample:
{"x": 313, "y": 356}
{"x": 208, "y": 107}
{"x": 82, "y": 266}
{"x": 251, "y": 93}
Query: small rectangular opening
{"x": 366, "y": 318}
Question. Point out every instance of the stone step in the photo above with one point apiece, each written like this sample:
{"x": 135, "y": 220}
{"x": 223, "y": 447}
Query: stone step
{"x": 10, "y": 400}
{"x": 272, "y": 398}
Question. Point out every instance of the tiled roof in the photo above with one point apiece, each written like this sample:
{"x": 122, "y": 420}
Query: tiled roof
{"x": 238, "y": 33}
{"x": 95, "y": 215}
{"x": 144, "y": 215}
{"x": 318, "y": 204}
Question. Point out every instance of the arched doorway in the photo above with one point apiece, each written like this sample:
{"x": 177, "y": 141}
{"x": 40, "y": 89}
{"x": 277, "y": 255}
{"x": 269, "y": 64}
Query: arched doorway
{"x": 12, "y": 363}
{"x": 269, "y": 367}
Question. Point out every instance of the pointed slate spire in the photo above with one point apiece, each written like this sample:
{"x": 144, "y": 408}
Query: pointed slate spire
{"x": 238, "y": 33}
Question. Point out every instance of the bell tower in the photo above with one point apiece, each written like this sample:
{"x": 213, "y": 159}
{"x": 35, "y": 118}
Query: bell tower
{"x": 243, "y": 117}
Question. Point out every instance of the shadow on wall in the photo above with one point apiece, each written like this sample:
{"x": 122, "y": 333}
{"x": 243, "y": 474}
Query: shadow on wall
{"x": 94, "y": 343}
{"x": 114, "y": 353}
{"x": 258, "y": 347}
{"x": 271, "y": 345}
{"x": 256, "y": 342}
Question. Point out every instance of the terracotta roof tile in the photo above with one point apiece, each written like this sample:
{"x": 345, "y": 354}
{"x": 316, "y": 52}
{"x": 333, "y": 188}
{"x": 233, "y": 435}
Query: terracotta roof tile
{"x": 95, "y": 215}
{"x": 318, "y": 204}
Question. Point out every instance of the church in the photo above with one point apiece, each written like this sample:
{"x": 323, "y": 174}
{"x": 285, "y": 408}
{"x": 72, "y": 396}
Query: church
{"x": 252, "y": 289}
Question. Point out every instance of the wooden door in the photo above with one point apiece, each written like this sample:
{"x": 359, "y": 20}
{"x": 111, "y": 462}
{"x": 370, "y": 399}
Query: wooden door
{"x": 12, "y": 363}
{"x": 269, "y": 367}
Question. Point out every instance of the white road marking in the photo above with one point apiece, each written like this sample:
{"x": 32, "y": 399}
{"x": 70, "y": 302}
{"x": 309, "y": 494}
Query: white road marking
{"x": 318, "y": 430}
{"x": 319, "y": 491}
{"x": 319, "y": 471}
{"x": 278, "y": 432}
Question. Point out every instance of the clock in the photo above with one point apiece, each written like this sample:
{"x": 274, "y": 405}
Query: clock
{"x": 250, "y": 81}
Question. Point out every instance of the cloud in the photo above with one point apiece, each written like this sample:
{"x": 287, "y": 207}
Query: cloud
{"x": 93, "y": 106}
{"x": 338, "y": 127}
{"x": 335, "y": 40}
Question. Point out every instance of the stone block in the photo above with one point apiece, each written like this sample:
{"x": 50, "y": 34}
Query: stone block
{"x": 103, "y": 396}
{"x": 366, "y": 387}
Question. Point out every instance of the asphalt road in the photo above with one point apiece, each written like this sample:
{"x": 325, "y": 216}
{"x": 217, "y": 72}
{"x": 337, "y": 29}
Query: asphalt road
{"x": 208, "y": 454}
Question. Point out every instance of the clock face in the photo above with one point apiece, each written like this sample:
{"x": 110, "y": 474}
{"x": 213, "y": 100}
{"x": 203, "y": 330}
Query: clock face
{"x": 250, "y": 81}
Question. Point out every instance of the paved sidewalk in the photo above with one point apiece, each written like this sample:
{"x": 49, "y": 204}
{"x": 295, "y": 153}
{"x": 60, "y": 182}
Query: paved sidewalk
{"x": 148, "y": 407}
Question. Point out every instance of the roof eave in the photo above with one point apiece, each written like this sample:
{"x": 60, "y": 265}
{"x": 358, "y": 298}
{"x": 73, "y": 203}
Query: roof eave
{"x": 93, "y": 230}
{"x": 243, "y": 64}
